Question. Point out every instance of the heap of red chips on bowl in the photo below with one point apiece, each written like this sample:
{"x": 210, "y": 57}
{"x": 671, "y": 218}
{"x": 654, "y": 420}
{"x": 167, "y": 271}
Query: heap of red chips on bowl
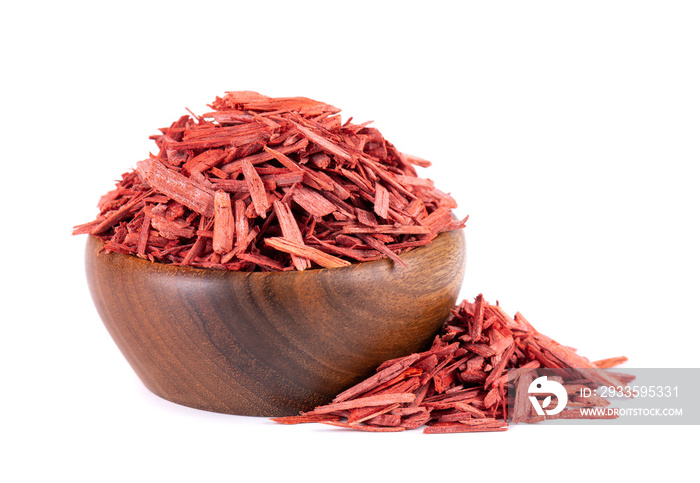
{"x": 263, "y": 183}
{"x": 460, "y": 385}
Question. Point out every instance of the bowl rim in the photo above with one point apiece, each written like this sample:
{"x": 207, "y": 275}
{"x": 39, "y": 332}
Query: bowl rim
{"x": 408, "y": 255}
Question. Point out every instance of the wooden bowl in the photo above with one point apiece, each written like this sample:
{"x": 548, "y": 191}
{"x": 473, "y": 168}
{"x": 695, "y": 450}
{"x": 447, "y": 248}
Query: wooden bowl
{"x": 271, "y": 344}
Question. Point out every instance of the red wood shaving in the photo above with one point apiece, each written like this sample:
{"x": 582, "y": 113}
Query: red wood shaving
{"x": 611, "y": 362}
{"x": 300, "y": 250}
{"x": 290, "y": 230}
{"x": 309, "y": 418}
{"x": 263, "y": 183}
{"x": 365, "y": 427}
{"x": 223, "y": 223}
{"x": 381, "y": 201}
{"x": 460, "y": 384}
{"x": 256, "y": 188}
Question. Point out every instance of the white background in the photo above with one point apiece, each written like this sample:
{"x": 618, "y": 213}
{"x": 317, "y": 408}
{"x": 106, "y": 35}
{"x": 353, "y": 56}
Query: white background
{"x": 568, "y": 131}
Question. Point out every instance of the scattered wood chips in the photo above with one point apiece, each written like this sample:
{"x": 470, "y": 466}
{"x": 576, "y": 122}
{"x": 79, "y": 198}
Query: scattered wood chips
{"x": 461, "y": 384}
{"x": 263, "y": 183}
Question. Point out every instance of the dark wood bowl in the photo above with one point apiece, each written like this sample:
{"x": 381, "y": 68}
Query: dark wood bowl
{"x": 271, "y": 344}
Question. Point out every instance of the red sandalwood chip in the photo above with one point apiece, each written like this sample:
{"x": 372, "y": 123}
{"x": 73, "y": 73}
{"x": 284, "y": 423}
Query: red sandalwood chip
{"x": 460, "y": 386}
{"x": 258, "y": 168}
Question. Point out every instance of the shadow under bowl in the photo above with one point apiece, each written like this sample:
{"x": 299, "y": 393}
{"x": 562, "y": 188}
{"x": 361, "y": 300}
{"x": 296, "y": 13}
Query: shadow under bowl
{"x": 275, "y": 343}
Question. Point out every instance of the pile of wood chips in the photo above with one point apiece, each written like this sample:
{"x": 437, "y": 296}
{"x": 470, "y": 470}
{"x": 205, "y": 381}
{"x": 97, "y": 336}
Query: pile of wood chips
{"x": 461, "y": 383}
{"x": 265, "y": 183}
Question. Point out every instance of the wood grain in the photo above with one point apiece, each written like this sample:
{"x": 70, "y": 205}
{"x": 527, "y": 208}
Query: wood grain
{"x": 271, "y": 344}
